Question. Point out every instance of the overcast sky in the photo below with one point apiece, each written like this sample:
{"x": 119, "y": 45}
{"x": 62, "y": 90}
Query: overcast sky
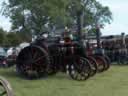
{"x": 119, "y": 24}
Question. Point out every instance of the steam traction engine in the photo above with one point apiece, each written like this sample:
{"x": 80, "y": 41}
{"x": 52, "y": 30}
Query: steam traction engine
{"x": 44, "y": 57}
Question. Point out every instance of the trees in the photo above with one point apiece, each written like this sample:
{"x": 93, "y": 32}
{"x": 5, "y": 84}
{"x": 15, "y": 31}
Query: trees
{"x": 12, "y": 39}
{"x": 2, "y": 36}
{"x": 8, "y": 39}
{"x": 35, "y": 16}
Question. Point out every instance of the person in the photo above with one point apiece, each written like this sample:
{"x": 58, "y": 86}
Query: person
{"x": 67, "y": 36}
{"x": 9, "y": 52}
{"x": 42, "y": 40}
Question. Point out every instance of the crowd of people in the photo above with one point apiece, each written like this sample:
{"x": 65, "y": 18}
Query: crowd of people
{"x": 116, "y": 49}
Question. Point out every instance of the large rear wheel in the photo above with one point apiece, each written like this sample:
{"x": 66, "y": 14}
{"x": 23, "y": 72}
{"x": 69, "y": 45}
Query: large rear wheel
{"x": 108, "y": 62}
{"x": 32, "y": 62}
{"x": 101, "y": 63}
{"x": 93, "y": 65}
{"x": 52, "y": 68}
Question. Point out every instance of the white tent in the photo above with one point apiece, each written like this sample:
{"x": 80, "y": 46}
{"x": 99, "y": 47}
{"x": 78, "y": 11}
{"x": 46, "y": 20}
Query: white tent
{"x": 24, "y": 44}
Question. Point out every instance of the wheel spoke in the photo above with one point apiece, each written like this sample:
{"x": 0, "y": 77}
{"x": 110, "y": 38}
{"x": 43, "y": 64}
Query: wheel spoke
{"x": 31, "y": 52}
{"x": 40, "y": 58}
{"x": 35, "y": 55}
{"x": 81, "y": 69}
{"x": 32, "y": 62}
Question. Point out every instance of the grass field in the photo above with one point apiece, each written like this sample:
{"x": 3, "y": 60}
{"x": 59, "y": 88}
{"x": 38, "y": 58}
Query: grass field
{"x": 113, "y": 82}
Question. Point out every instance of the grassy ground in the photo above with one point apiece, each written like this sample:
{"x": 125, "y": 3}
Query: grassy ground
{"x": 113, "y": 82}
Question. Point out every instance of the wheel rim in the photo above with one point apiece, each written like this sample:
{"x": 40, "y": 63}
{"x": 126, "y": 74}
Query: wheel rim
{"x": 100, "y": 63}
{"x": 3, "y": 92}
{"x": 93, "y": 65}
{"x": 5, "y": 88}
{"x": 108, "y": 62}
{"x": 52, "y": 68}
{"x": 32, "y": 61}
{"x": 79, "y": 70}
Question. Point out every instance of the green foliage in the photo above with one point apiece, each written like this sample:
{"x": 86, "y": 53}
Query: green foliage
{"x": 8, "y": 39}
{"x": 24, "y": 36}
{"x": 35, "y": 16}
{"x": 2, "y": 36}
{"x": 12, "y": 39}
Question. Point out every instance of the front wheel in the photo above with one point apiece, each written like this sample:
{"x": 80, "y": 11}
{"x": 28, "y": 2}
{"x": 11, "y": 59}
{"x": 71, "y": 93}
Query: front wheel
{"x": 79, "y": 69}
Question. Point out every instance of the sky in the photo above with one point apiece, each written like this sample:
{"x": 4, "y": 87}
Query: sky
{"x": 118, "y": 25}
{"x": 120, "y": 15}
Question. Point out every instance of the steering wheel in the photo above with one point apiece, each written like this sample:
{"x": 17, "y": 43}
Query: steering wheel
{"x": 5, "y": 88}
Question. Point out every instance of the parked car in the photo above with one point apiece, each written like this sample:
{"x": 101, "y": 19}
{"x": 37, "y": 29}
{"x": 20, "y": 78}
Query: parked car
{"x": 11, "y": 56}
{"x": 3, "y": 55}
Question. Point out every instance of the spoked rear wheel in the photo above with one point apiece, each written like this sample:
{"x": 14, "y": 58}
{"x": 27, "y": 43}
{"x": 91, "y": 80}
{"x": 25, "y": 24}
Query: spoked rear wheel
{"x": 79, "y": 69}
{"x": 93, "y": 65}
{"x": 108, "y": 62}
{"x": 52, "y": 68}
{"x": 5, "y": 88}
{"x": 101, "y": 63}
{"x": 32, "y": 62}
